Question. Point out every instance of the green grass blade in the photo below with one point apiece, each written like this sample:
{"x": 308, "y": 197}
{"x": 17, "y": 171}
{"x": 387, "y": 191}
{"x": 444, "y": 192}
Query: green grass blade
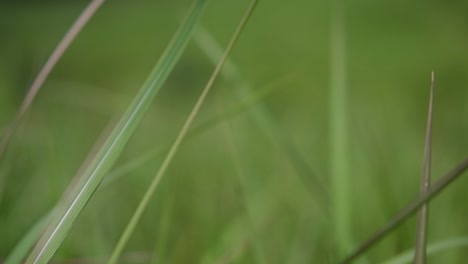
{"x": 254, "y": 239}
{"x": 22, "y": 248}
{"x": 263, "y": 117}
{"x": 74, "y": 201}
{"x": 45, "y": 71}
{"x": 167, "y": 160}
{"x": 432, "y": 249}
{"x": 409, "y": 210}
{"x": 421, "y": 233}
{"x": 164, "y": 236}
{"x": 25, "y": 244}
{"x": 195, "y": 131}
{"x": 339, "y": 163}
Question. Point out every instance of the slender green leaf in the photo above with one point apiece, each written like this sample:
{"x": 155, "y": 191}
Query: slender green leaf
{"x": 22, "y": 248}
{"x": 339, "y": 153}
{"x": 25, "y": 244}
{"x": 261, "y": 114}
{"x": 241, "y": 181}
{"x": 92, "y": 174}
{"x": 181, "y": 136}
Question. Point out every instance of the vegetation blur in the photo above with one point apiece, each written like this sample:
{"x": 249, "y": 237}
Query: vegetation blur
{"x": 310, "y": 140}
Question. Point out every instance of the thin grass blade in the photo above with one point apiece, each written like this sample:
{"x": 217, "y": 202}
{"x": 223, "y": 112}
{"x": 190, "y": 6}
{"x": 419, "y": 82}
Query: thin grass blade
{"x": 22, "y": 248}
{"x": 25, "y": 244}
{"x": 409, "y": 210}
{"x": 87, "y": 182}
{"x": 421, "y": 235}
{"x": 241, "y": 182}
{"x": 263, "y": 117}
{"x": 432, "y": 249}
{"x": 181, "y": 136}
{"x": 339, "y": 163}
{"x": 45, "y": 71}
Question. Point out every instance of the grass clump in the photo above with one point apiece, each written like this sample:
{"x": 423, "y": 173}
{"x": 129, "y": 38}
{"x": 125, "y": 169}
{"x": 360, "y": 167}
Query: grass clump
{"x": 297, "y": 175}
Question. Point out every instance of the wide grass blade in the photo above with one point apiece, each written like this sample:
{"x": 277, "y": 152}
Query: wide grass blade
{"x": 412, "y": 207}
{"x": 45, "y": 71}
{"x": 87, "y": 182}
{"x": 167, "y": 160}
{"x": 421, "y": 235}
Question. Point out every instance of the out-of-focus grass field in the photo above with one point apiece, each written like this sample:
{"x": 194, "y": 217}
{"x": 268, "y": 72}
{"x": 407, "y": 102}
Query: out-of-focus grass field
{"x": 233, "y": 192}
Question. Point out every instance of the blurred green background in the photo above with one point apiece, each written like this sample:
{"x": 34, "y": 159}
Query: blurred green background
{"x": 233, "y": 194}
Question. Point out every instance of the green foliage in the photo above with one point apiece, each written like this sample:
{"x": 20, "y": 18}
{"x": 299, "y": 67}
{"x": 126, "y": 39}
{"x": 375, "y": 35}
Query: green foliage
{"x": 93, "y": 171}
{"x": 257, "y": 181}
